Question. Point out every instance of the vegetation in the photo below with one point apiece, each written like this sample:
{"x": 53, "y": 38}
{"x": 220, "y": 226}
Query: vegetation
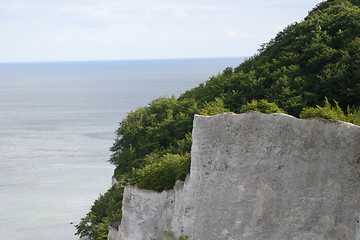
{"x": 306, "y": 64}
{"x": 171, "y": 236}
{"x": 106, "y": 209}
{"x": 261, "y": 106}
{"x": 335, "y": 112}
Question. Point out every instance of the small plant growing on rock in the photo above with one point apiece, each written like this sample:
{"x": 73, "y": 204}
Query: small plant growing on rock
{"x": 171, "y": 236}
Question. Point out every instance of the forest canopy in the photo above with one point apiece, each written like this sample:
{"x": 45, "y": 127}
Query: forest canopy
{"x": 310, "y": 69}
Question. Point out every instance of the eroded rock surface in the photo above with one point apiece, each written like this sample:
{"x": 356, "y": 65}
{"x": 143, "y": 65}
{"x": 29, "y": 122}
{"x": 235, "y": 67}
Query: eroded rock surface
{"x": 257, "y": 176}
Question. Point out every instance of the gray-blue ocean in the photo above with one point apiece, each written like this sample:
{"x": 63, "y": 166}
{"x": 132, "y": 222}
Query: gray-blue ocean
{"x": 57, "y": 123}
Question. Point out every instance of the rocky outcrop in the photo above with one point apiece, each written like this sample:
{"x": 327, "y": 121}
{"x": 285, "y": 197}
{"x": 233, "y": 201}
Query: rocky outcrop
{"x": 257, "y": 176}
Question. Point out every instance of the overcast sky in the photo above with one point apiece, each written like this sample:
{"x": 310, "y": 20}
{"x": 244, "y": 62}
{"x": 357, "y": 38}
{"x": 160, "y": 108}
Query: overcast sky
{"x": 72, "y": 30}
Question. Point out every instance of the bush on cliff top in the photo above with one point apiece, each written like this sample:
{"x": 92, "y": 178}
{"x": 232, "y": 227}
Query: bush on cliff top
{"x": 328, "y": 111}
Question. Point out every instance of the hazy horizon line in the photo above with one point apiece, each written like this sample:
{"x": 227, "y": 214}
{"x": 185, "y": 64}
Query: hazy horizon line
{"x": 124, "y": 60}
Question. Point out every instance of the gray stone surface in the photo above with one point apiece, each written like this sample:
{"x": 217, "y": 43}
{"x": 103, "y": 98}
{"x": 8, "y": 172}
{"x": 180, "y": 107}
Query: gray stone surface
{"x": 257, "y": 176}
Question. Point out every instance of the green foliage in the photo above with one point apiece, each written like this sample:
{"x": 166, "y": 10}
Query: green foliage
{"x": 327, "y": 112}
{"x": 101, "y": 231}
{"x": 353, "y": 116}
{"x": 183, "y": 238}
{"x": 153, "y": 129}
{"x": 335, "y": 112}
{"x": 294, "y": 72}
{"x": 106, "y": 209}
{"x": 171, "y": 236}
{"x": 261, "y": 106}
{"x": 152, "y": 151}
{"x": 212, "y": 108}
{"x": 306, "y": 62}
{"x": 163, "y": 173}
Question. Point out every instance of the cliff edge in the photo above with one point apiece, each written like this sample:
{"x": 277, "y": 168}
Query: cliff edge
{"x": 256, "y": 176}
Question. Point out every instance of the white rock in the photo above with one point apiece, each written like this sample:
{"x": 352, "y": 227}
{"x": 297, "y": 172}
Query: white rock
{"x": 257, "y": 176}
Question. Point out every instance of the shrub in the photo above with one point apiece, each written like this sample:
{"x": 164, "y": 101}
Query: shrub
{"x": 261, "y": 106}
{"x": 334, "y": 112}
{"x": 164, "y": 173}
{"x": 215, "y": 107}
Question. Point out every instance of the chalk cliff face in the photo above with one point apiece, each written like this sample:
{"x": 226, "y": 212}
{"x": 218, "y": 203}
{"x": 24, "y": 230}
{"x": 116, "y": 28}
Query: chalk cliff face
{"x": 257, "y": 176}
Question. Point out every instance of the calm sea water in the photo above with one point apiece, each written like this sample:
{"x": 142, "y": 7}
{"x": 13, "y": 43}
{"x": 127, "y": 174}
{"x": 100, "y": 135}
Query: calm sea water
{"x": 57, "y": 123}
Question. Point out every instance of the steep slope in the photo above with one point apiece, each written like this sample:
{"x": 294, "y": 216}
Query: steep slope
{"x": 306, "y": 62}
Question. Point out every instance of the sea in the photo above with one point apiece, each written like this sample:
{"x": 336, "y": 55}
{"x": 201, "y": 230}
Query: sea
{"x": 57, "y": 124}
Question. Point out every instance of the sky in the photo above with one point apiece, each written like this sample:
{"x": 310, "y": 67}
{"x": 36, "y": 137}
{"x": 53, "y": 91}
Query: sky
{"x": 78, "y": 30}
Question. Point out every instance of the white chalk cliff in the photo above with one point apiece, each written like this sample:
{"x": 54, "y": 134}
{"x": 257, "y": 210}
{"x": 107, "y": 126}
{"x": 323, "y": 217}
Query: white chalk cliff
{"x": 256, "y": 176}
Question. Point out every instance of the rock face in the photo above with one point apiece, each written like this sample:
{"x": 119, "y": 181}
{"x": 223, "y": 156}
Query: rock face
{"x": 257, "y": 176}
